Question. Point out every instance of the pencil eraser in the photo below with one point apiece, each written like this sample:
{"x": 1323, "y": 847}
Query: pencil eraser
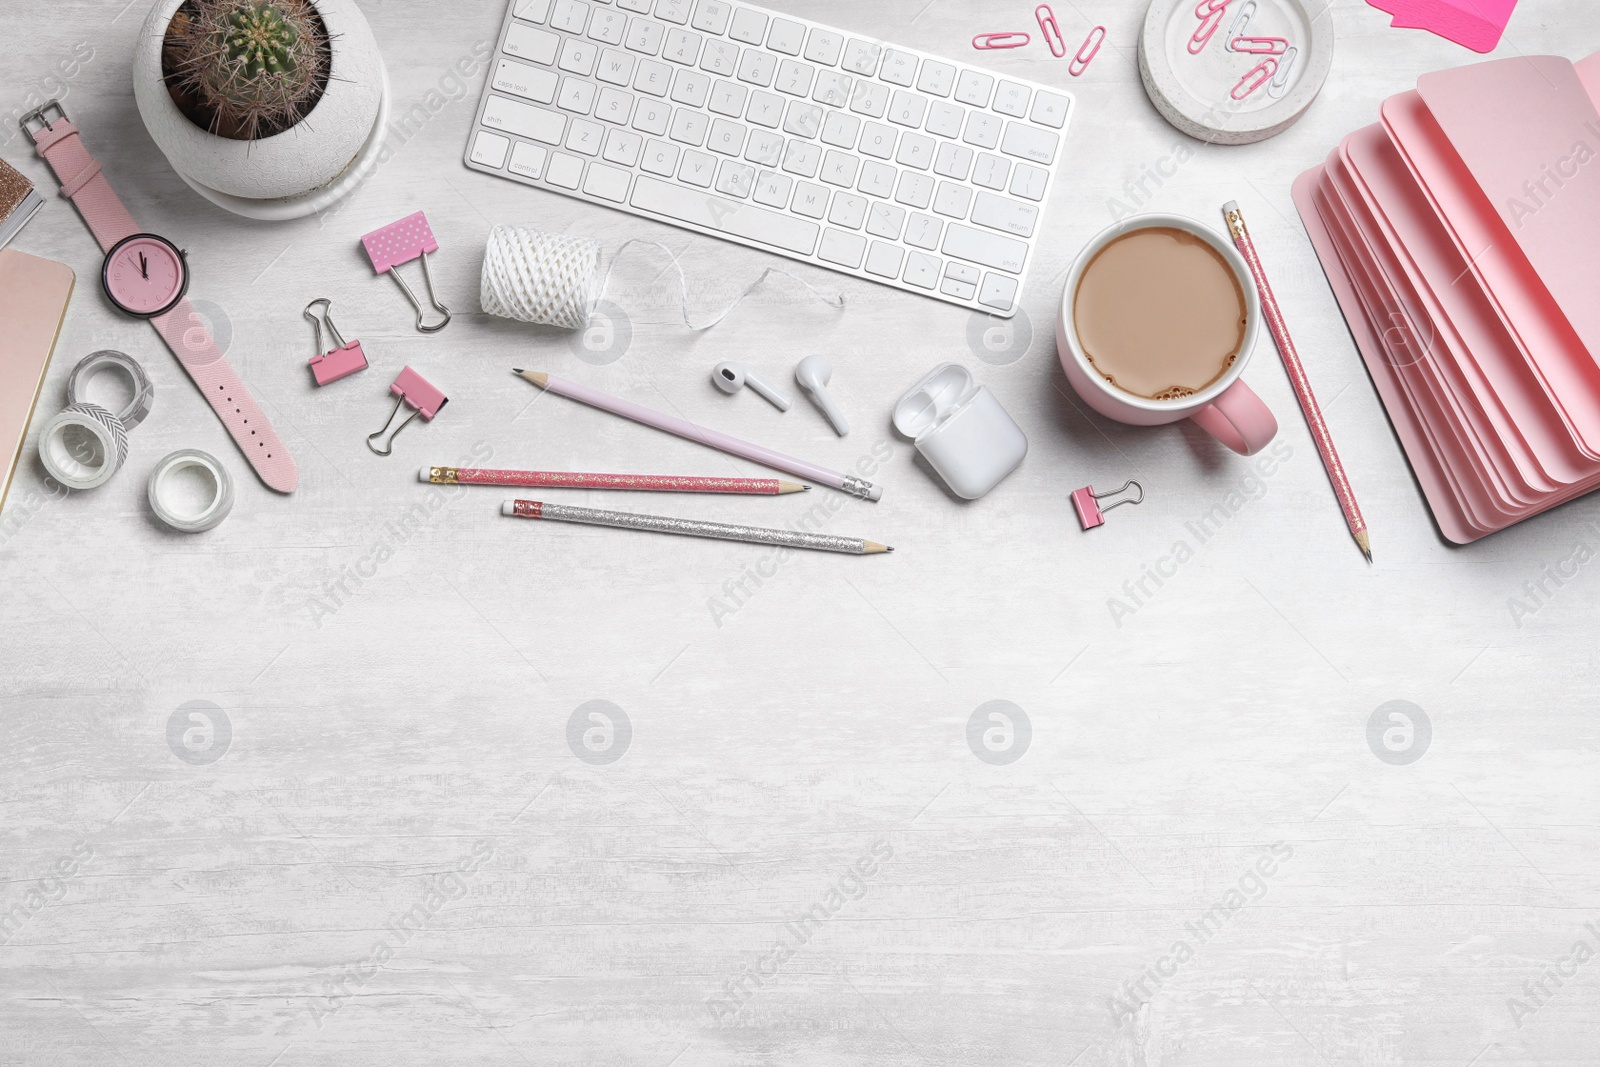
{"x": 876, "y": 494}
{"x": 508, "y": 508}
{"x": 425, "y": 474}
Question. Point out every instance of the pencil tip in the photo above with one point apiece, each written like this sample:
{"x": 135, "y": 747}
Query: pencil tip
{"x": 516, "y": 370}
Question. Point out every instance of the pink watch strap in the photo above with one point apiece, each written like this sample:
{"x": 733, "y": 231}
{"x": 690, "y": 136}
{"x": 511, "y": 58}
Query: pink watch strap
{"x": 81, "y": 182}
{"x": 185, "y": 333}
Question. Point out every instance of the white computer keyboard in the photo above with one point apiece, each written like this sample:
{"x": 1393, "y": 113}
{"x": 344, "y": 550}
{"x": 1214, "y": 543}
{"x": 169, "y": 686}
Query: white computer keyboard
{"x": 776, "y": 132}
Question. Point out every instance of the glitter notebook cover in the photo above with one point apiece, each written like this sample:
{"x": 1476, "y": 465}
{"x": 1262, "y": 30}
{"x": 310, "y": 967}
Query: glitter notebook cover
{"x": 18, "y": 201}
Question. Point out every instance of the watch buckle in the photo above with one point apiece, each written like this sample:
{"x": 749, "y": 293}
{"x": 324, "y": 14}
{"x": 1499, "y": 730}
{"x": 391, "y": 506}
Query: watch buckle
{"x": 41, "y": 114}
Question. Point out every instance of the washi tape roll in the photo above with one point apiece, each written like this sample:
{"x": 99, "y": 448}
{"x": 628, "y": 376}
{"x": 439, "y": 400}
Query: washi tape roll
{"x": 83, "y": 446}
{"x": 1234, "y": 71}
{"x": 168, "y": 501}
{"x": 144, "y": 393}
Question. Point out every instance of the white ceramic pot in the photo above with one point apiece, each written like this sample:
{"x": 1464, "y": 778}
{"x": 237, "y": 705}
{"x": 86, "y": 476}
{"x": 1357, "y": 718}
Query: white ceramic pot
{"x": 309, "y": 157}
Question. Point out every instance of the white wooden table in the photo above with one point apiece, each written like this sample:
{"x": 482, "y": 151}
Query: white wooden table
{"x": 394, "y": 672}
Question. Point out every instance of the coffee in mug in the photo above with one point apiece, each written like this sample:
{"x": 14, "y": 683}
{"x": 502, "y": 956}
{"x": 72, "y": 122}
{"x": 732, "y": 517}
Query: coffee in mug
{"x": 1160, "y": 314}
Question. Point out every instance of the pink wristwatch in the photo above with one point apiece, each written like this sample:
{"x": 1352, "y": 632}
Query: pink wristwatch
{"x": 146, "y": 276}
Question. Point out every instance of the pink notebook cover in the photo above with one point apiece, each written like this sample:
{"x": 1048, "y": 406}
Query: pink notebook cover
{"x": 34, "y": 294}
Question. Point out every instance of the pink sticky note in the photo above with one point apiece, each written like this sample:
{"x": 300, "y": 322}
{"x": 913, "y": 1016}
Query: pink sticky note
{"x": 1474, "y": 24}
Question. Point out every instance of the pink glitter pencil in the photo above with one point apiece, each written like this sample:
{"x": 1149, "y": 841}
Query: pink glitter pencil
{"x": 651, "y": 483}
{"x": 1297, "y": 378}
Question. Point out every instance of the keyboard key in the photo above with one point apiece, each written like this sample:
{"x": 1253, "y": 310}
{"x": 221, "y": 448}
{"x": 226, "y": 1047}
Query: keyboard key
{"x": 773, "y": 189}
{"x": 652, "y": 116}
{"x": 586, "y": 137}
{"x": 822, "y": 46}
{"x": 608, "y": 26}
{"x": 540, "y": 46}
{"x": 1012, "y": 99}
{"x": 945, "y": 119}
{"x": 690, "y": 87}
{"x": 958, "y": 289}
{"x": 608, "y": 183}
{"x": 952, "y": 200}
{"x": 660, "y": 158}
{"x": 638, "y": 7}
{"x": 973, "y": 88}
{"x": 839, "y": 168}
{"x": 832, "y": 88}
{"x": 983, "y": 247}
{"x": 570, "y": 15}
{"x": 748, "y": 26}
{"x": 490, "y": 149}
{"x": 727, "y": 138}
{"x": 907, "y": 109}
{"x": 922, "y": 270}
{"x": 884, "y": 259}
{"x": 961, "y": 272}
{"x": 533, "y": 10}
{"x": 802, "y": 157}
{"x": 653, "y": 78}
{"x": 936, "y": 78}
{"x": 899, "y": 68}
{"x": 697, "y": 168}
{"x": 983, "y": 129}
{"x": 795, "y": 78}
{"x": 615, "y": 67}
{"x": 1029, "y": 181}
{"x": 999, "y": 292}
{"x": 614, "y": 106}
{"x": 728, "y": 98}
{"x": 689, "y": 126}
{"x": 524, "y": 120}
{"x": 1030, "y": 142}
{"x": 877, "y": 179}
{"x": 786, "y": 37}
{"x": 765, "y": 148}
{"x": 848, "y": 211}
{"x": 886, "y": 220}
{"x": 720, "y": 57}
{"x": 861, "y": 57}
{"x": 803, "y": 120}
{"x": 953, "y": 161}
{"x": 528, "y": 160}
{"x": 622, "y": 147}
{"x": 1002, "y": 214}
{"x": 765, "y": 110}
{"x": 757, "y": 67}
{"x": 1050, "y": 109}
{"x": 681, "y": 47}
{"x": 576, "y": 95}
{"x": 811, "y": 200}
{"x": 915, "y": 190}
{"x": 916, "y": 150}
{"x": 991, "y": 171}
{"x": 564, "y": 170}
{"x": 644, "y": 36}
{"x": 840, "y": 130}
{"x": 578, "y": 56}
{"x": 923, "y": 231}
{"x": 870, "y": 98}
{"x": 530, "y": 83}
{"x": 878, "y": 140}
{"x": 676, "y": 11}
{"x": 846, "y": 249}
{"x": 735, "y": 179}
{"x": 711, "y": 16}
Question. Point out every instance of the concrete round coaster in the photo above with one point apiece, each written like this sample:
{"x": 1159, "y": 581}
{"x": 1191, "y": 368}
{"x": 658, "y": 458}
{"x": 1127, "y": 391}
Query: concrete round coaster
{"x": 1203, "y": 92}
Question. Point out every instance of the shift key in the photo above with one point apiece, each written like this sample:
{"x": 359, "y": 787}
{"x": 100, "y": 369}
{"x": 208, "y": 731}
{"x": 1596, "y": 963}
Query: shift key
{"x": 990, "y": 249}
{"x": 524, "y": 120}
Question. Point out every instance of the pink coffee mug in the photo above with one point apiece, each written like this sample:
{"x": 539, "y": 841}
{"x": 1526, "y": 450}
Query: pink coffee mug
{"x": 1227, "y": 408}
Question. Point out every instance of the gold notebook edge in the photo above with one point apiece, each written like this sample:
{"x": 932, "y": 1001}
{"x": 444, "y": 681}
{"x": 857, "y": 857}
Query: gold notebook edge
{"x": 38, "y": 391}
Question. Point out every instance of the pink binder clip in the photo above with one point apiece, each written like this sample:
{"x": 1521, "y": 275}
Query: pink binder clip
{"x": 1087, "y": 503}
{"x": 399, "y": 243}
{"x": 1091, "y": 46}
{"x": 987, "y": 41}
{"x": 416, "y": 393}
{"x": 340, "y": 361}
{"x": 1051, "y": 29}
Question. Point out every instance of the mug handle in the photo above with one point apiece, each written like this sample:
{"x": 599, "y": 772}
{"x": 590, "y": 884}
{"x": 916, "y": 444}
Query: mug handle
{"x": 1238, "y": 419}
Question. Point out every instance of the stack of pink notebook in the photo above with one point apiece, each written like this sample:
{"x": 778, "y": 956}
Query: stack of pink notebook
{"x": 1461, "y": 235}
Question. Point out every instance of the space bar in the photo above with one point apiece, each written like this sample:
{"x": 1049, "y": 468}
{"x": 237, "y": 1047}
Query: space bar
{"x": 728, "y": 216}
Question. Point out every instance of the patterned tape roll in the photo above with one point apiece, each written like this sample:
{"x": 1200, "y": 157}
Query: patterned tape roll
{"x": 166, "y": 499}
{"x": 98, "y": 452}
{"x": 144, "y": 393}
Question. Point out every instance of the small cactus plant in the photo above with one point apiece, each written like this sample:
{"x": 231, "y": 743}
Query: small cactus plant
{"x": 246, "y": 69}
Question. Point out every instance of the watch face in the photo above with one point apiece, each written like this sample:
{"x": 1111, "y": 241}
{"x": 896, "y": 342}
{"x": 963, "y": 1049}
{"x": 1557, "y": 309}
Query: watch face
{"x": 145, "y": 275}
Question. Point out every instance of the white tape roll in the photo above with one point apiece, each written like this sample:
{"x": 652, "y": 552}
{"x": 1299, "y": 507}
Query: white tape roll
{"x": 144, "y": 393}
{"x": 167, "y": 500}
{"x": 83, "y": 446}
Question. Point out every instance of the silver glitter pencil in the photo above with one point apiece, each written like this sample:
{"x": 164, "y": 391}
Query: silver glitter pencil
{"x": 627, "y": 520}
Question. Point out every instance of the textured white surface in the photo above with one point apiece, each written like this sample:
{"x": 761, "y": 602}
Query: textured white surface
{"x": 398, "y": 664}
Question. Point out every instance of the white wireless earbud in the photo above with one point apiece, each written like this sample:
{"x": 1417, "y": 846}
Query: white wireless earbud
{"x": 813, "y": 374}
{"x": 731, "y": 377}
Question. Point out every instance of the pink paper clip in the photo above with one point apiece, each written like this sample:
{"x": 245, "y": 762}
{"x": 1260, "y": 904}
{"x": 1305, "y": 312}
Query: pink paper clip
{"x": 399, "y": 243}
{"x": 1091, "y": 44}
{"x": 1259, "y": 46}
{"x": 416, "y": 393}
{"x": 988, "y": 41}
{"x": 1086, "y": 502}
{"x": 340, "y": 361}
{"x": 1255, "y": 78}
{"x": 1210, "y": 13}
{"x": 1051, "y": 29}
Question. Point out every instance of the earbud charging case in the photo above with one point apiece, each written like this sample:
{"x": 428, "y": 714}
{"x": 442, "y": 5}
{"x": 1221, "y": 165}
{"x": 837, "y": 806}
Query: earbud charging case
{"x": 961, "y": 429}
